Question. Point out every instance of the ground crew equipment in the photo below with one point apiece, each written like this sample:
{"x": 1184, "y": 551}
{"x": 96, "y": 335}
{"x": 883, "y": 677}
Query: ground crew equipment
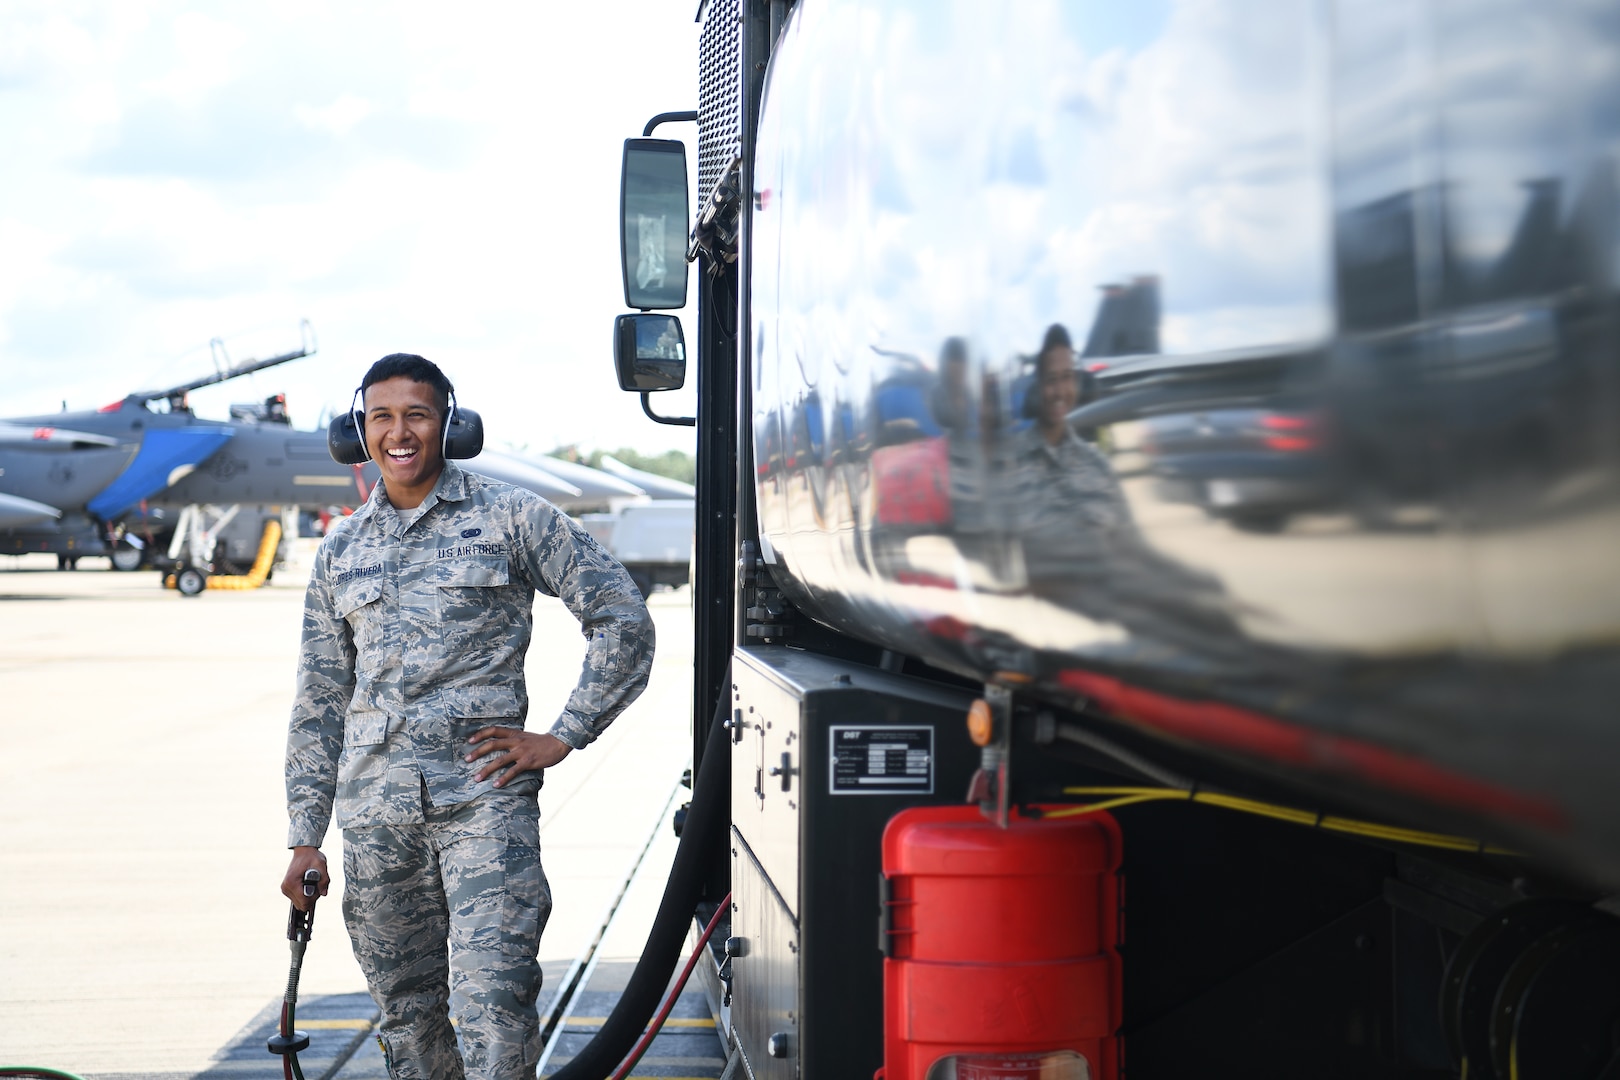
{"x": 300, "y": 924}
{"x": 1000, "y": 946}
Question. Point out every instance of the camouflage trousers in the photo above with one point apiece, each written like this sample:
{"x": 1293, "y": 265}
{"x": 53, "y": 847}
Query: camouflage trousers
{"x": 455, "y": 904}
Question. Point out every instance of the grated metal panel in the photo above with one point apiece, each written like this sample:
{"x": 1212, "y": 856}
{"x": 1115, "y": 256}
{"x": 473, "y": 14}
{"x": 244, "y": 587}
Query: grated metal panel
{"x": 719, "y": 92}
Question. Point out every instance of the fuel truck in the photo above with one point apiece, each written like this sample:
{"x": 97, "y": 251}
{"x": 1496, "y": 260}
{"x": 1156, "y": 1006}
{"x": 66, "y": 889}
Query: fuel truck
{"x": 1156, "y": 586}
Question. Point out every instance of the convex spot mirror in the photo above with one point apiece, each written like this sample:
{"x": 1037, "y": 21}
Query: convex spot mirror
{"x": 649, "y": 352}
{"x": 652, "y": 224}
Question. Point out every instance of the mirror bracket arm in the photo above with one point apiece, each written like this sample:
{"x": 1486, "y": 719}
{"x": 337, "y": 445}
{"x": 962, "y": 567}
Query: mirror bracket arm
{"x": 678, "y": 421}
{"x": 667, "y": 118}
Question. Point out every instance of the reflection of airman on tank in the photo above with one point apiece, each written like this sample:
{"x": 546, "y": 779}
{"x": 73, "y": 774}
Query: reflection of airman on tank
{"x": 1078, "y": 543}
{"x": 1057, "y": 476}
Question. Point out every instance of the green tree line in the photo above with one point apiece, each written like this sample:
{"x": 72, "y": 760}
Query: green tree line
{"x": 675, "y": 464}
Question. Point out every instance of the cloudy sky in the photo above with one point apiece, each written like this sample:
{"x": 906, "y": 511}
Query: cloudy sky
{"x": 407, "y": 176}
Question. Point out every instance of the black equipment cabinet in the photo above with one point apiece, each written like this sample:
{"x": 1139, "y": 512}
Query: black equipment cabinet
{"x": 824, "y": 753}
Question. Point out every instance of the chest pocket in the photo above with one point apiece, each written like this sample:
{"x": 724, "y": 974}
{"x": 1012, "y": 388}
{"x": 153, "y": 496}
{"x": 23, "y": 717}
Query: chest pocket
{"x": 471, "y": 594}
{"x": 352, "y": 597}
{"x": 356, "y": 603}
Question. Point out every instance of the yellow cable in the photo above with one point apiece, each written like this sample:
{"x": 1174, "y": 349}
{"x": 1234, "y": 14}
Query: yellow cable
{"x": 1128, "y": 796}
{"x": 1111, "y": 804}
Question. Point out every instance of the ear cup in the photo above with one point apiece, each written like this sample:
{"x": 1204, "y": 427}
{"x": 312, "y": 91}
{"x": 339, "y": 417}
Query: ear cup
{"x": 346, "y": 435}
{"x": 463, "y": 434}
{"x": 346, "y": 439}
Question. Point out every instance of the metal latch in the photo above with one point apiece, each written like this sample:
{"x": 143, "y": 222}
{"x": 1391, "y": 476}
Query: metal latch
{"x": 785, "y": 771}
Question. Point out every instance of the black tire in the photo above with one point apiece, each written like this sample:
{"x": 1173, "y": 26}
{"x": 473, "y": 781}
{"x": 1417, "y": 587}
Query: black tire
{"x": 643, "y": 582}
{"x": 1260, "y": 522}
{"x": 190, "y": 581}
{"x": 67, "y": 562}
{"x": 126, "y": 558}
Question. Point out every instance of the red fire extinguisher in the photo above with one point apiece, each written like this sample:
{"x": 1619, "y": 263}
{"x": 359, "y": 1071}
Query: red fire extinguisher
{"x": 1000, "y": 947}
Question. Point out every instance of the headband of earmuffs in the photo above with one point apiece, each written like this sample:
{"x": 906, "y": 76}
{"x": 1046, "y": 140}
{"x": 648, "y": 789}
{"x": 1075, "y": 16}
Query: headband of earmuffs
{"x": 463, "y": 433}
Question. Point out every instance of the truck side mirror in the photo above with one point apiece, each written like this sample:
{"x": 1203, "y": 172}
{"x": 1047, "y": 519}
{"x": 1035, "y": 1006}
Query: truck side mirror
{"x": 652, "y": 224}
{"x": 649, "y": 352}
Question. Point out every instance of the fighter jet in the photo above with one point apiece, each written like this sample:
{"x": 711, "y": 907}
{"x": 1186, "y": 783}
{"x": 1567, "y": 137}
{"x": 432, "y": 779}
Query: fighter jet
{"x": 67, "y": 480}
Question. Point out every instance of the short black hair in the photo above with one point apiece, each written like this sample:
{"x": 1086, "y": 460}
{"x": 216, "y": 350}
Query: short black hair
{"x": 412, "y": 367}
{"x": 1057, "y": 336}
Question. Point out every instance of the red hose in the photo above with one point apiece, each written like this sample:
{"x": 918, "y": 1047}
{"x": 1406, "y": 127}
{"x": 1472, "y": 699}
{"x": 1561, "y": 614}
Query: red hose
{"x": 674, "y": 992}
{"x": 286, "y": 1031}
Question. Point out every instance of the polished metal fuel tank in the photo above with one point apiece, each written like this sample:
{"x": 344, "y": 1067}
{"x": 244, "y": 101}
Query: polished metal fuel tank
{"x": 1246, "y": 373}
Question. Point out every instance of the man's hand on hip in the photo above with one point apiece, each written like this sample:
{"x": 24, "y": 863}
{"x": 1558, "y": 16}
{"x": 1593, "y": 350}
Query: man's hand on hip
{"x": 511, "y": 751}
{"x": 292, "y": 886}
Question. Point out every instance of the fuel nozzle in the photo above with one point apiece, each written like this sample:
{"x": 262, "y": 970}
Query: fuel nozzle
{"x": 301, "y": 923}
{"x": 287, "y": 1042}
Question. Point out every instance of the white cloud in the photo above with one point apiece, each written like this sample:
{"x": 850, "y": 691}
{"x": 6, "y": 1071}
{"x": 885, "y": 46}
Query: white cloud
{"x": 991, "y": 194}
{"x": 337, "y": 118}
{"x": 406, "y": 176}
{"x": 205, "y": 57}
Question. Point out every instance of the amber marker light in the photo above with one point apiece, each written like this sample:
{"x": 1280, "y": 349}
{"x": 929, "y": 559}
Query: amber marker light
{"x": 980, "y": 722}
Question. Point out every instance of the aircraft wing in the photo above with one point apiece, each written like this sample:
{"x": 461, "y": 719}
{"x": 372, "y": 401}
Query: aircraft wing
{"x": 44, "y": 437}
{"x": 595, "y": 486}
{"x": 17, "y": 512}
{"x": 523, "y": 474}
{"x": 166, "y": 456}
{"x": 659, "y": 487}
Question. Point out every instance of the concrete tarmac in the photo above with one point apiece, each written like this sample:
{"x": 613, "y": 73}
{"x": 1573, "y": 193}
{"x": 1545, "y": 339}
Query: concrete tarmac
{"x": 143, "y": 822}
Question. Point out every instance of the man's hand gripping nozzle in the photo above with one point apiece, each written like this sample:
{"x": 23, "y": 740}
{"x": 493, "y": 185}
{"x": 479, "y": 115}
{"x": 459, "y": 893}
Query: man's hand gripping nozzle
{"x": 300, "y": 924}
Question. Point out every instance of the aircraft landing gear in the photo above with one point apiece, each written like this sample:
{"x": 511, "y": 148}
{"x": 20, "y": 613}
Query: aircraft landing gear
{"x": 67, "y": 562}
{"x": 126, "y": 558}
{"x": 191, "y": 580}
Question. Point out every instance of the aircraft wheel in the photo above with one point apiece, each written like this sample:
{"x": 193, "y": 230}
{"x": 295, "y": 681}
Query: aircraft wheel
{"x": 126, "y": 558}
{"x": 643, "y": 582}
{"x": 1259, "y": 522}
{"x": 190, "y": 581}
{"x": 67, "y": 562}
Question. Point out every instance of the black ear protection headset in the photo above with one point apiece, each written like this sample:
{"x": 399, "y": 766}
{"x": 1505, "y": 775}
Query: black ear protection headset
{"x": 463, "y": 433}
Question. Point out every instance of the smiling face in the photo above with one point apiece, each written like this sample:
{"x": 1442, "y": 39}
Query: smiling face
{"x": 1059, "y": 391}
{"x": 404, "y": 422}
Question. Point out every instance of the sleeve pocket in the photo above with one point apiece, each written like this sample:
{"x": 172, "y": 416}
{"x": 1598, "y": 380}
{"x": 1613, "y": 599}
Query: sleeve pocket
{"x": 603, "y": 650}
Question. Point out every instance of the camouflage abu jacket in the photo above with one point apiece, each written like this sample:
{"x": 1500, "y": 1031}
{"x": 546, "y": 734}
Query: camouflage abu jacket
{"x": 415, "y": 627}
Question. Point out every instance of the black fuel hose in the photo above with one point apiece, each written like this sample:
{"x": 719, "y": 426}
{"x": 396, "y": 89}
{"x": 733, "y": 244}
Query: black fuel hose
{"x": 702, "y": 836}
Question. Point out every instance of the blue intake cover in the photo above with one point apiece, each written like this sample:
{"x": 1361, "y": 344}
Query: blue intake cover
{"x": 162, "y": 452}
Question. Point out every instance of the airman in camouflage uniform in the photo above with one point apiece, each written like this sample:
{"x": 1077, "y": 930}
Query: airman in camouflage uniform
{"x": 408, "y": 728}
